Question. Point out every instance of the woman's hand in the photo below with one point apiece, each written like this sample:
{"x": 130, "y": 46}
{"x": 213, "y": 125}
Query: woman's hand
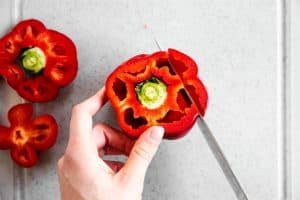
{"x": 82, "y": 172}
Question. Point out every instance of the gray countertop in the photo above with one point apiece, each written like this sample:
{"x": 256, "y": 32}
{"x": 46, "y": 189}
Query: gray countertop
{"x": 239, "y": 46}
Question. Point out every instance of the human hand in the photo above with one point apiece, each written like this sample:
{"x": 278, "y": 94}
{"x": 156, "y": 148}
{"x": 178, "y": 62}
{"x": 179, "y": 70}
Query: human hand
{"x": 84, "y": 175}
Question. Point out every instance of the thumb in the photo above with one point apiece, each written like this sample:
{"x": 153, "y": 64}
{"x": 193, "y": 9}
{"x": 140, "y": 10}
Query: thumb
{"x": 142, "y": 153}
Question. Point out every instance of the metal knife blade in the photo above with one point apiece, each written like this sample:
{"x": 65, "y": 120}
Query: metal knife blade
{"x": 216, "y": 150}
{"x": 220, "y": 157}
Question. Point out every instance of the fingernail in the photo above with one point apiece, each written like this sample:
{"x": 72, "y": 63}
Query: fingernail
{"x": 156, "y": 133}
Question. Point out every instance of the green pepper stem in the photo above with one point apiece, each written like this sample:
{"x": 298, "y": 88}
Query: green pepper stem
{"x": 33, "y": 60}
{"x": 151, "y": 93}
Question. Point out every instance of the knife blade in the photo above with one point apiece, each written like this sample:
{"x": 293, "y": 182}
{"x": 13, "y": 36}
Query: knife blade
{"x": 214, "y": 146}
{"x": 220, "y": 157}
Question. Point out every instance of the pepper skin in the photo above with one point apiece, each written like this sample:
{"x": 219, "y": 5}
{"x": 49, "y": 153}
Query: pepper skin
{"x": 37, "y": 61}
{"x": 145, "y": 91}
{"x": 27, "y": 135}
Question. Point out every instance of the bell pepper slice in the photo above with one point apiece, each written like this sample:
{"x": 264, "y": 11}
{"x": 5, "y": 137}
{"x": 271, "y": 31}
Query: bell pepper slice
{"x": 33, "y": 53}
{"x": 145, "y": 91}
{"x": 27, "y": 135}
{"x": 37, "y": 90}
{"x": 187, "y": 69}
{"x": 13, "y": 74}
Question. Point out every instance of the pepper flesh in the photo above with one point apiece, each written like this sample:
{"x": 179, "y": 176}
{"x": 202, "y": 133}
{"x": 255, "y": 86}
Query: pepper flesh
{"x": 177, "y": 113}
{"x": 37, "y": 61}
{"x": 27, "y": 135}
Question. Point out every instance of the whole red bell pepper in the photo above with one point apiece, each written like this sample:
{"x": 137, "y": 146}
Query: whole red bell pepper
{"x": 145, "y": 91}
{"x": 27, "y": 135}
{"x": 37, "y": 61}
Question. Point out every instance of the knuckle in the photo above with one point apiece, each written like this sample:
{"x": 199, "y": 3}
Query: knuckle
{"x": 100, "y": 126}
{"x": 59, "y": 164}
{"x": 139, "y": 197}
{"x": 142, "y": 152}
{"x": 68, "y": 158}
{"x": 76, "y": 109}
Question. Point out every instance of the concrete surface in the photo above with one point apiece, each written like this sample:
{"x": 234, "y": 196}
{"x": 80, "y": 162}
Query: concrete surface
{"x": 238, "y": 46}
{"x": 295, "y": 99}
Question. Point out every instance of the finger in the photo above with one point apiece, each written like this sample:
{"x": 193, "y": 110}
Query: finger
{"x": 142, "y": 153}
{"x": 114, "y": 165}
{"x": 107, "y": 150}
{"x": 110, "y": 138}
{"x": 81, "y": 120}
{"x": 80, "y": 142}
{"x": 98, "y": 137}
{"x": 93, "y": 104}
{"x": 112, "y": 151}
{"x": 101, "y": 153}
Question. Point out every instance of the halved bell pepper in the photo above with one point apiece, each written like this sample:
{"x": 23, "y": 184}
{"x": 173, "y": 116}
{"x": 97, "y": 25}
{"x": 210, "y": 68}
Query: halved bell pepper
{"x": 37, "y": 61}
{"x": 27, "y": 135}
{"x": 145, "y": 91}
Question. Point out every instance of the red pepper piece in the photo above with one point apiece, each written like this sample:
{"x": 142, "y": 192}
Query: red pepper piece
{"x": 187, "y": 69}
{"x": 13, "y": 74}
{"x": 27, "y": 135}
{"x": 39, "y": 89}
{"x": 31, "y": 53}
{"x": 145, "y": 91}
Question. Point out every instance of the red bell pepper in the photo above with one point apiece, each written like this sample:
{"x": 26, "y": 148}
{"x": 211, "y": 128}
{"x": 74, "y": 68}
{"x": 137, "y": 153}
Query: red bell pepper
{"x": 37, "y": 61}
{"x": 27, "y": 135}
{"x": 145, "y": 91}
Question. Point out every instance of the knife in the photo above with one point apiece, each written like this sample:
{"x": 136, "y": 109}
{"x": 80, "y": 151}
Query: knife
{"x": 214, "y": 146}
{"x": 220, "y": 157}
